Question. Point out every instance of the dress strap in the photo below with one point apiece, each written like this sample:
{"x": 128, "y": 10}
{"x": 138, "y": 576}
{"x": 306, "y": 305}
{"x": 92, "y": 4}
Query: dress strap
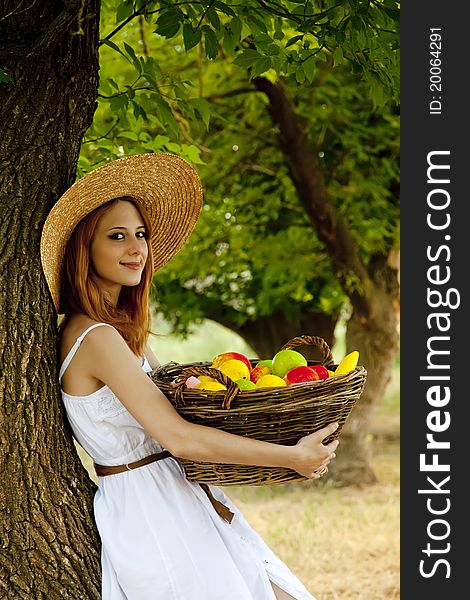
{"x": 76, "y": 346}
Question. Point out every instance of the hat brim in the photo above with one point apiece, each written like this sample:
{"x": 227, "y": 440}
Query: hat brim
{"x": 165, "y": 184}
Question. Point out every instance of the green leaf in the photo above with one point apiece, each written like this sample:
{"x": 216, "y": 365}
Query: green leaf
{"x": 118, "y": 103}
{"x": 294, "y": 39}
{"x": 129, "y": 135}
{"x": 135, "y": 61}
{"x": 204, "y": 109}
{"x": 168, "y": 23}
{"x": 340, "y": 36}
{"x": 300, "y": 74}
{"x": 225, "y": 8}
{"x": 113, "y": 83}
{"x": 277, "y": 64}
{"x": 393, "y": 13}
{"x": 213, "y": 18}
{"x": 279, "y": 35}
{"x": 115, "y": 47}
{"x": 191, "y": 38}
{"x": 165, "y": 114}
{"x": 140, "y": 112}
{"x": 306, "y": 10}
{"x": 247, "y": 59}
{"x": 307, "y": 25}
{"x": 273, "y": 50}
{"x": 261, "y": 66}
{"x": 125, "y": 9}
{"x": 338, "y": 56}
{"x": 232, "y": 34}
{"x": 210, "y": 42}
{"x": 310, "y": 67}
{"x": 151, "y": 79}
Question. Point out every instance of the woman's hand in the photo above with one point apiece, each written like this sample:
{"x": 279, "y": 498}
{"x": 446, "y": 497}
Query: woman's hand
{"x": 312, "y": 455}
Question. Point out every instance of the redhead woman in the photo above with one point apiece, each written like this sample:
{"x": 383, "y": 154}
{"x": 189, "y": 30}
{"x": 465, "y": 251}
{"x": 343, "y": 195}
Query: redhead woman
{"x": 163, "y": 537}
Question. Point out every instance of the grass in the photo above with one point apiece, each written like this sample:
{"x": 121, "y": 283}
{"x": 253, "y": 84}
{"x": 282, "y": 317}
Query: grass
{"x": 342, "y": 543}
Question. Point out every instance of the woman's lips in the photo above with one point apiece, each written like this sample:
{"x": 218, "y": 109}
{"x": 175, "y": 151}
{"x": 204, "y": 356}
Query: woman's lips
{"x": 133, "y": 266}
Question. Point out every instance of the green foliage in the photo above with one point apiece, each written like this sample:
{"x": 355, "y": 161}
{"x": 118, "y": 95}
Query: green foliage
{"x": 187, "y": 89}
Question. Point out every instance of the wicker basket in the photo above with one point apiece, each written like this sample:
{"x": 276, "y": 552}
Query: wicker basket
{"x": 281, "y": 415}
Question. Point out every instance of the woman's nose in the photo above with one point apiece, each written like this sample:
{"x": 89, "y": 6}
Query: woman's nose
{"x": 137, "y": 246}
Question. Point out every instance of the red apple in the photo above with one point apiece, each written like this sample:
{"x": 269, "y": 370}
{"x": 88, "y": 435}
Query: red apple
{"x": 321, "y": 371}
{"x": 300, "y": 375}
{"x": 221, "y": 358}
{"x": 259, "y": 371}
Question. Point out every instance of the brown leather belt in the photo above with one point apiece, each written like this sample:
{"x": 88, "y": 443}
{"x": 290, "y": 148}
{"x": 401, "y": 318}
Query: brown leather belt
{"x": 104, "y": 470}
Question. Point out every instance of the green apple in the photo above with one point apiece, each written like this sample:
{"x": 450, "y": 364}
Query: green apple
{"x": 245, "y": 384}
{"x": 287, "y": 359}
{"x": 265, "y": 363}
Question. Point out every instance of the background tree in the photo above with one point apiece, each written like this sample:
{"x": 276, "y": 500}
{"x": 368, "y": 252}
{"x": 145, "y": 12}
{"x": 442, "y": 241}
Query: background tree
{"x": 301, "y": 187}
{"x": 48, "y": 93}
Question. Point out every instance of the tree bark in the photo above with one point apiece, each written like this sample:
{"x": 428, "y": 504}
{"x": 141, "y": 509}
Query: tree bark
{"x": 50, "y": 546}
{"x": 372, "y": 329}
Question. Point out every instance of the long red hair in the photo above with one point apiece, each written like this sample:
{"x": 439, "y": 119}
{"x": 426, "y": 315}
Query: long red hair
{"x": 80, "y": 294}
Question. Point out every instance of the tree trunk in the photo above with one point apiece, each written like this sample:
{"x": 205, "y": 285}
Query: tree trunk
{"x": 50, "y": 546}
{"x": 376, "y": 336}
{"x": 372, "y": 329}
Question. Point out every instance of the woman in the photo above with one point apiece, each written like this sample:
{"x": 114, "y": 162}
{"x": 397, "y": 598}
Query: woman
{"x": 163, "y": 537}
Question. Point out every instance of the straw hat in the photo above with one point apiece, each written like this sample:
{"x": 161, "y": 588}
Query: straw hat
{"x": 165, "y": 184}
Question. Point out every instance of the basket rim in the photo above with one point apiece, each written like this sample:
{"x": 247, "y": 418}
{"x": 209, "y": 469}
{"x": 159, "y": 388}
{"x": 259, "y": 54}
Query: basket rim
{"x": 278, "y": 399}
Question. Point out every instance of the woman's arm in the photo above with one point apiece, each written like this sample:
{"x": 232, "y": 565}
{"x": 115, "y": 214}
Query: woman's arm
{"x": 108, "y": 358}
{"x": 150, "y": 356}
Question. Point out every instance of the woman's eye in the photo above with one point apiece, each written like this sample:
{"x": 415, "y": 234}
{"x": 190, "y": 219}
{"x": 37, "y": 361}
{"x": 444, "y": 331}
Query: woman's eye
{"x": 140, "y": 234}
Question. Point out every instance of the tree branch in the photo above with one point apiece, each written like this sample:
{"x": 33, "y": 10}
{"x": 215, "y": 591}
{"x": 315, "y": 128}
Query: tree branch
{"x": 308, "y": 180}
{"x": 137, "y": 13}
{"x": 231, "y": 93}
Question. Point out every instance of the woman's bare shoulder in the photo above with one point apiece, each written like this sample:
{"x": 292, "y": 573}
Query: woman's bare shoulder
{"x": 72, "y": 330}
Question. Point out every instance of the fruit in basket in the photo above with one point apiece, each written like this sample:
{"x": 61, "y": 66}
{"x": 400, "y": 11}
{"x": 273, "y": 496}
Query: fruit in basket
{"x": 205, "y": 378}
{"x": 270, "y": 380}
{"x": 287, "y": 359}
{"x": 259, "y": 371}
{"x": 245, "y": 384}
{"x": 235, "y": 369}
{"x": 301, "y": 375}
{"x": 225, "y": 356}
{"x": 322, "y": 371}
{"x": 212, "y": 386}
{"x": 267, "y": 362}
{"x": 348, "y": 364}
{"x": 192, "y": 382}
{"x": 331, "y": 373}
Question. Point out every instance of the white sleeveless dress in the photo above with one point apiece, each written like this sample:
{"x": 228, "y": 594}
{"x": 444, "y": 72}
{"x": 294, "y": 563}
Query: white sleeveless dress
{"x": 161, "y": 537}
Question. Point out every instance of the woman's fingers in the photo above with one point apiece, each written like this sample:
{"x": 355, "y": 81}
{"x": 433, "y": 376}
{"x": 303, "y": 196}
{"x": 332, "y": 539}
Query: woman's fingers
{"x": 326, "y": 431}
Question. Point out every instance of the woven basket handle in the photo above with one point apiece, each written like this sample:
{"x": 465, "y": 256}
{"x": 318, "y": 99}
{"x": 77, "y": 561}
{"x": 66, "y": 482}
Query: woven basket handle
{"x": 310, "y": 340}
{"x": 180, "y": 384}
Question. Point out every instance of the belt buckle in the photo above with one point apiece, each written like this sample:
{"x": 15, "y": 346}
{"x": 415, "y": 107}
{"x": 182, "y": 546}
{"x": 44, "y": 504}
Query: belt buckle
{"x": 128, "y": 467}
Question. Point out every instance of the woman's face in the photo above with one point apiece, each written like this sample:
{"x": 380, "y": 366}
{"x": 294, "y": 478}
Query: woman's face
{"x": 119, "y": 249}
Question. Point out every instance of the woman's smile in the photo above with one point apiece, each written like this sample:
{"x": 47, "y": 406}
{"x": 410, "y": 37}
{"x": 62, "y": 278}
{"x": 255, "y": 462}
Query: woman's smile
{"x": 135, "y": 266}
